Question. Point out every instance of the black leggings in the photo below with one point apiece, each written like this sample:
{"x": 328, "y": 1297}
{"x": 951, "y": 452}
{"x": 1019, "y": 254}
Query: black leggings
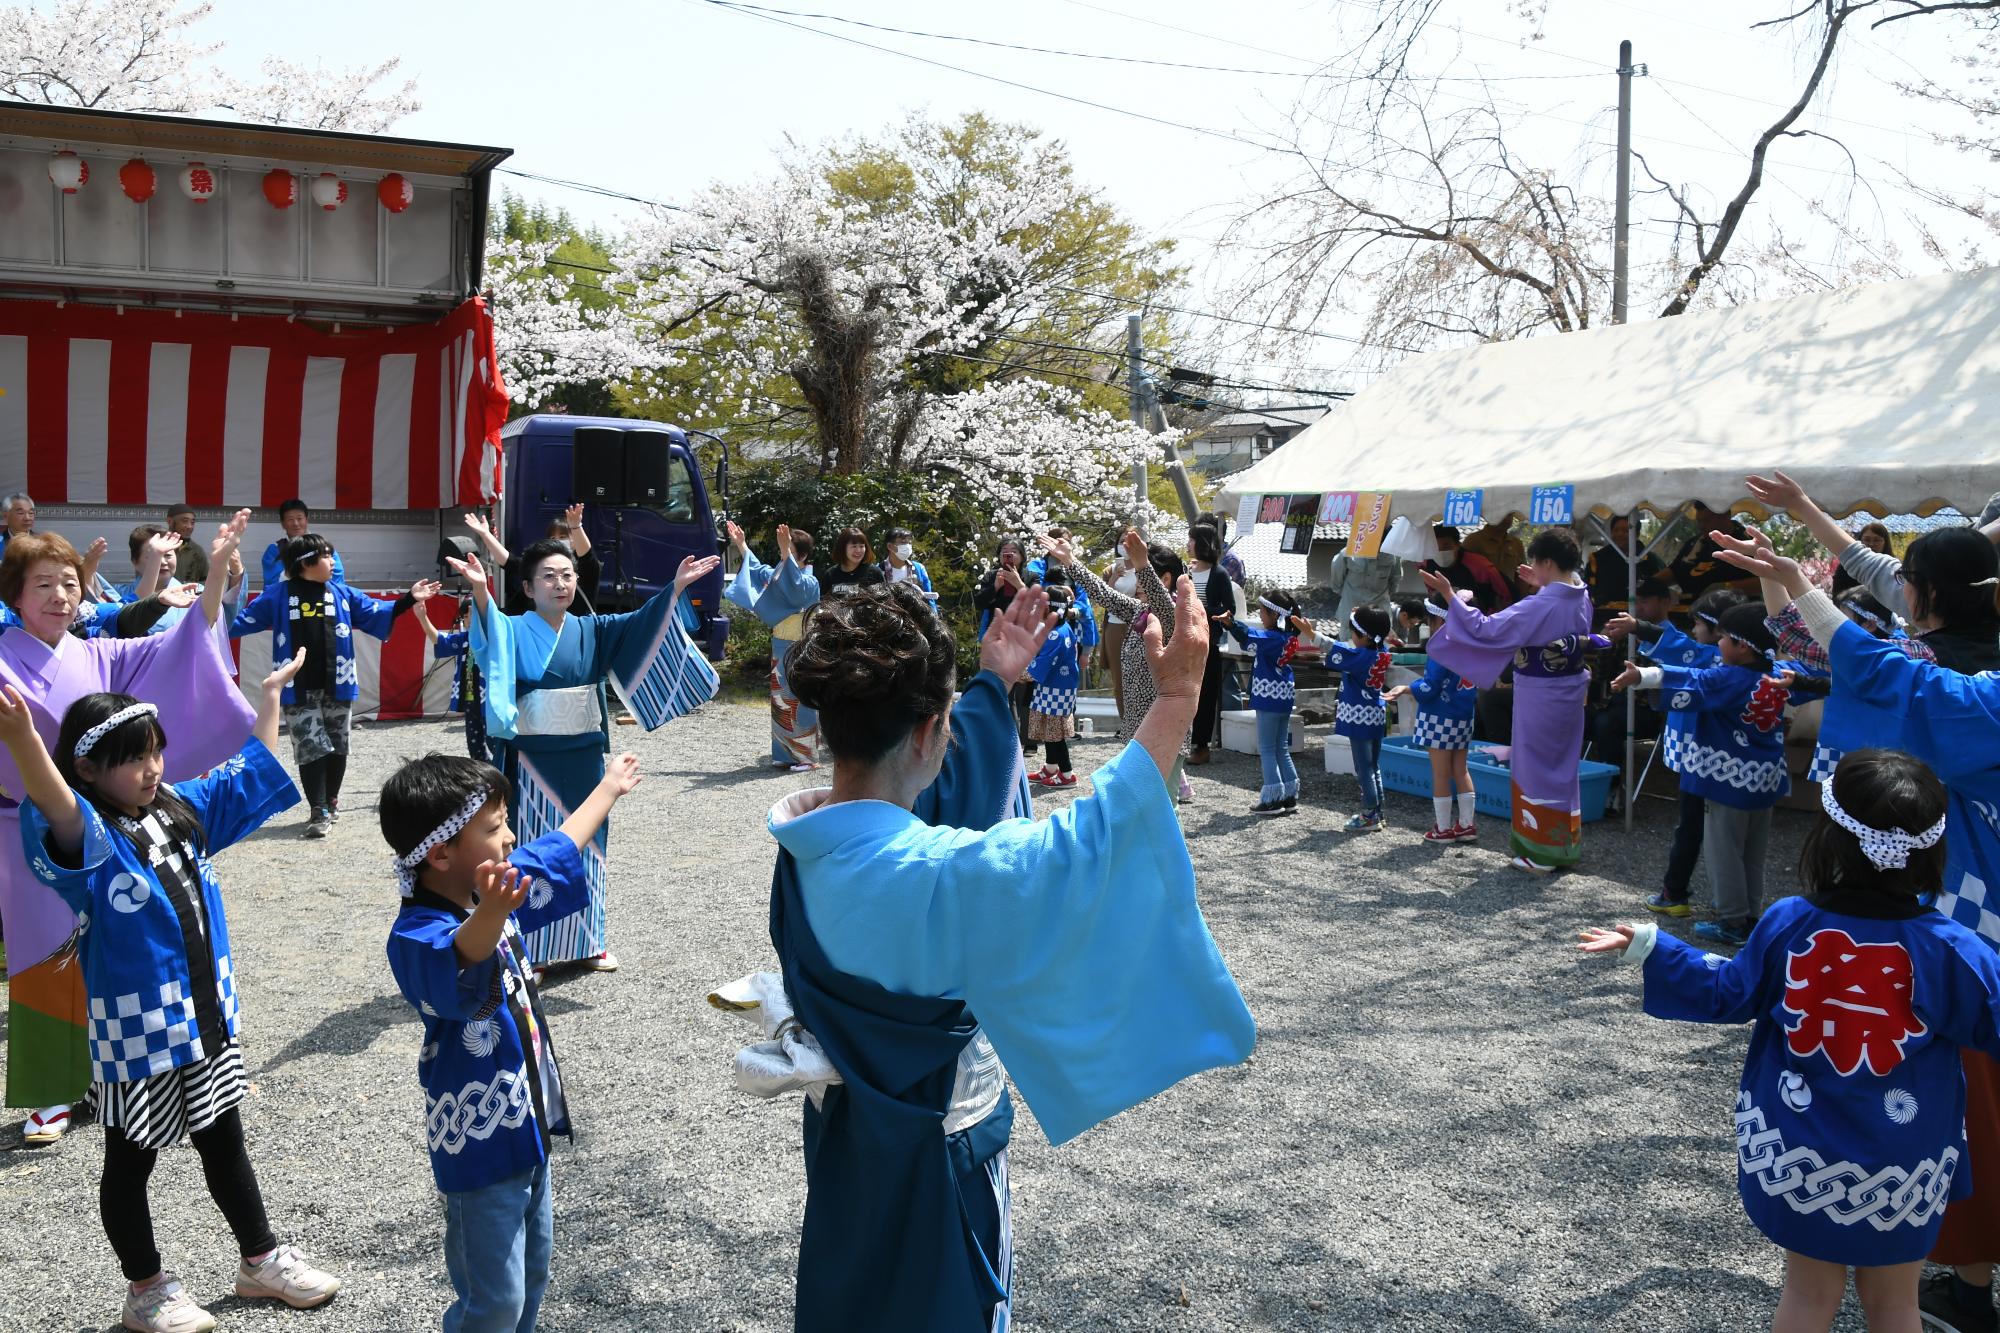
{"x": 1208, "y": 706}
{"x": 320, "y": 780}
{"x": 1685, "y": 853}
{"x": 1058, "y": 752}
{"x": 128, "y": 1217}
{"x": 1020, "y": 694}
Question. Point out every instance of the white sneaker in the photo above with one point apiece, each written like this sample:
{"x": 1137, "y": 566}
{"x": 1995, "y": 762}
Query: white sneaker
{"x": 163, "y": 1306}
{"x": 285, "y": 1276}
{"x": 604, "y": 962}
{"x": 46, "y": 1125}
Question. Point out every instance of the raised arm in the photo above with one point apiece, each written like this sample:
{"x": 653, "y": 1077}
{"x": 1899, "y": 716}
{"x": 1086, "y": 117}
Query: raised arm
{"x": 157, "y": 546}
{"x": 266, "y": 729}
{"x": 495, "y": 550}
{"x": 1779, "y": 491}
{"x": 579, "y": 540}
{"x": 474, "y": 575}
{"x": 42, "y": 783}
{"x": 227, "y": 538}
{"x": 621, "y": 775}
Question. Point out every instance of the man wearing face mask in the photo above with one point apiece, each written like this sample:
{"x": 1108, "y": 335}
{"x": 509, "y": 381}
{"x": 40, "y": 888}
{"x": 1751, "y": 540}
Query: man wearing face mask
{"x": 1490, "y": 592}
{"x": 902, "y": 564}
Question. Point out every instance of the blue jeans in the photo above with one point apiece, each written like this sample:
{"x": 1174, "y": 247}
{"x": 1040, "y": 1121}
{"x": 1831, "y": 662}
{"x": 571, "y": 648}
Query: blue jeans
{"x": 1367, "y": 752}
{"x": 1274, "y": 746}
{"x": 496, "y": 1251}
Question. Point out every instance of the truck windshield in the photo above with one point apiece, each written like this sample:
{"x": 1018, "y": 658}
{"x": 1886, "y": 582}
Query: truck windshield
{"x": 678, "y": 507}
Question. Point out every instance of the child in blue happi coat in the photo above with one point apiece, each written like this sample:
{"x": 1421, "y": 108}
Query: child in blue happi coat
{"x": 493, "y": 1092}
{"x": 1273, "y": 644}
{"x": 1733, "y": 759}
{"x": 1848, "y": 723}
{"x": 1056, "y": 674}
{"x": 1850, "y": 1116}
{"x": 1361, "y": 714}
{"x": 130, "y": 856}
{"x": 1446, "y": 706}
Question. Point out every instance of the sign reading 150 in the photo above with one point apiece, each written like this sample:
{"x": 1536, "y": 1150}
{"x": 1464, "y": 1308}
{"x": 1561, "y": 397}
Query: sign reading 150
{"x": 1549, "y": 506}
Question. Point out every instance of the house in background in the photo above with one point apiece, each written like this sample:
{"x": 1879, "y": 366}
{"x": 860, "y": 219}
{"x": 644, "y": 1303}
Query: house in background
{"x": 1236, "y": 440}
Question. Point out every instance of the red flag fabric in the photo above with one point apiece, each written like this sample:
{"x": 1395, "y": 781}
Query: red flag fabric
{"x": 102, "y": 405}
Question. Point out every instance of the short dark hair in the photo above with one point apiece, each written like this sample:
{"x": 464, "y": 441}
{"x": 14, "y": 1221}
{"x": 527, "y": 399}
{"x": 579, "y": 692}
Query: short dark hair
{"x": 1745, "y": 623}
{"x": 292, "y": 504}
{"x": 848, "y": 535}
{"x": 134, "y": 738}
{"x": 1166, "y": 563}
{"x": 1654, "y": 586}
{"x": 1445, "y": 532}
{"x": 802, "y": 545}
{"x": 1711, "y": 605}
{"x": 558, "y": 529}
{"x": 538, "y": 551}
{"x": 898, "y": 532}
{"x": 1947, "y": 571}
{"x": 1884, "y": 789}
{"x": 1372, "y": 621}
{"x": 1559, "y": 547}
{"x": 425, "y": 792}
{"x": 175, "y": 511}
{"x": 873, "y": 663}
{"x": 1206, "y": 543}
{"x": 1858, "y": 601}
{"x": 302, "y": 551}
{"x": 139, "y": 536}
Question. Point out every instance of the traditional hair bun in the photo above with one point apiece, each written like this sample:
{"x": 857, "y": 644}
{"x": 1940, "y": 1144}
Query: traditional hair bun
{"x": 873, "y": 662}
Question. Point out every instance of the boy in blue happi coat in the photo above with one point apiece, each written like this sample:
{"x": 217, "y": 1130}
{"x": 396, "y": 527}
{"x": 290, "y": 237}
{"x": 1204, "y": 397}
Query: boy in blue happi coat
{"x": 1273, "y": 643}
{"x": 493, "y": 1092}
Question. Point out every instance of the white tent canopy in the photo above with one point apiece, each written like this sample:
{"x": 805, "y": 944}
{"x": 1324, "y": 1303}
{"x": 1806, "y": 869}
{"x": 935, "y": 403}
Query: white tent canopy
{"x": 1883, "y": 398}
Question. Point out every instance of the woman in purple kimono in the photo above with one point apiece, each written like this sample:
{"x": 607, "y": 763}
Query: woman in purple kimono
{"x": 188, "y": 674}
{"x": 1545, "y": 637}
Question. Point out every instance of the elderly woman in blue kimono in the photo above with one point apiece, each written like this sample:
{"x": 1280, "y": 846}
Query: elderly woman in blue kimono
{"x": 779, "y": 595}
{"x": 925, "y": 937}
{"x": 544, "y": 719}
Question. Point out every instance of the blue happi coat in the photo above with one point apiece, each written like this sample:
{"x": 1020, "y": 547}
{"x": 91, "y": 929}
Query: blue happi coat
{"x": 1850, "y": 1116}
{"x": 1272, "y": 686}
{"x": 773, "y": 595}
{"x": 1734, "y": 749}
{"x": 351, "y": 611}
{"x": 492, "y": 1087}
{"x": 161, "y": 984}
{"x": 909, "y": 939}
{"x": 1676, "y": 649}
{"x": 1443, "y": 693}
{"x": 1055, "y": 673}
{"x": 1359, "y": 711}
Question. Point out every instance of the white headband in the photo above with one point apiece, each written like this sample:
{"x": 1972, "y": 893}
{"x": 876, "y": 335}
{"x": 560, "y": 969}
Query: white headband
{"x": 1280, "y": 612}
{"x": 1436, "y": 610}
{"x": 88, "y": 741}
{"x": 406, "y": 866}
{"x": 1889, "y": 849}
{"x": 1866, "y": 616}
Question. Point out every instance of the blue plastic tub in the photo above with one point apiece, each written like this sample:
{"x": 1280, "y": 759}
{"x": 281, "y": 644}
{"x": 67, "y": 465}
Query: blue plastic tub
{"x": 1406, "y": 767}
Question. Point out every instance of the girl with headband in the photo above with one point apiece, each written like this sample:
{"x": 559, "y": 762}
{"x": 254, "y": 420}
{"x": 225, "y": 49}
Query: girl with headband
{"x": 129, "y": 854}
{"x": 1850, "y": 1116}
{"x": 1446, "y": 705}
{"x": 1361, "y": 714}
{"x": 1273, "y": 645}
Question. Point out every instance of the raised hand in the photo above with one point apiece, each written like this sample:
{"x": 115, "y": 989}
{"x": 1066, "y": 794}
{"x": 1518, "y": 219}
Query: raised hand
{"x": 17, "y": 720}
{"x": 1060, "y": 550}
{"x": 162, "y": 542}
{"x": 621, "y": 775}
{"x": 1178, "y": 663}
{"x": 470, "y": 569}
{"x": 477, "y": 522}
{"x": 1626, "y": 679}
{"x": 236, "y": 566}
{"x": 1016, "y": 635}
{"x": 1135, "y": 547}
{"x": 573, "y": 515}
{"x": 1756, "y": 554}
{"x": 693, "y": 570}
{"x": 227, "y": 537}
{"x": 784, "y": 541}
{"x": 425, "y": 589}
{"x": 1597, "y": 939}
{"x": 501, "y": 888}
{"x": 96, "y": 550}
{"x": 736, "y": 537}
{"x": 1437, "y": 583}
{"x": 1779, "y": 491}
{"x": 1527, "y": 577}
{"x": 180, "y": 596}
{"x": 283, "y": 673}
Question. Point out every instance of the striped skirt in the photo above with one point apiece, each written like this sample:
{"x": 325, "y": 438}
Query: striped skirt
{"x": 159, "y": 1110}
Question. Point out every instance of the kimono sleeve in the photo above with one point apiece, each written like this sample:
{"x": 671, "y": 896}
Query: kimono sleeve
{"x": 371, "y": 615}
{"x": 982, "y": 781}
{"x": 72, "y": 883}
{"x": 1685, "y": 983}
{"x": 561, "y": 887}
{"x": 492, "y": 642}
{"x": 1084, "y": 952}
{"x": 798, "y": 583}
{"x": 751, "y": 577}
{"x": 650, "y": 659}
{"x": 240, "y": 796}
{"x": 423, "y": 958}
{"x": 260, "y": 615}
{"x": 1950, "y": 721}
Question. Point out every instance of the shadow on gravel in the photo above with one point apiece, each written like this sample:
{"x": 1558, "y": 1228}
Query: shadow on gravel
{"x": 704, "y": 779}
{"x": 346, "y": 1032}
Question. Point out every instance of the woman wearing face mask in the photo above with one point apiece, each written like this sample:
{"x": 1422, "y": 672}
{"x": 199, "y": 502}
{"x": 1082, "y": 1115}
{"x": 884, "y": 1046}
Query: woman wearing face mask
{"x": 902, "y": 564}
{"x": 1474, "y": 573}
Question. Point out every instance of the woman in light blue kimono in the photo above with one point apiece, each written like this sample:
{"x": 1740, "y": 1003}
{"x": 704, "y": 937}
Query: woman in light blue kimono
{"x": 542, "y": 672}
{"x": 779, "y": 596}
{"x": 925, "y": 937}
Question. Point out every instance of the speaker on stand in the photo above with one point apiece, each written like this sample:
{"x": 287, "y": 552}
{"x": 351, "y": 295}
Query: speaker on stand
{"x": 597, "y": 465}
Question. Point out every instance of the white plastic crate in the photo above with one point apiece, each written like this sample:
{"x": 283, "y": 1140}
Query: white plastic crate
{"x": 1339, "y": 759}
{"x": 1239, "y": 731}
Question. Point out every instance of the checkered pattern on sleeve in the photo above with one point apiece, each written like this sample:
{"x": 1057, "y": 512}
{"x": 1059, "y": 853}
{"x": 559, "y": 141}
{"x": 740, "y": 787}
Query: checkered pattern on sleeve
{"x": 1970, "y": 903}
{"x": 1054, "y": 700}
{"x": 1825, "y": 759}
{"x": 1442, "y": 733}
{"x": 134, "y": 1036}
{"x": 1672, "y": 741}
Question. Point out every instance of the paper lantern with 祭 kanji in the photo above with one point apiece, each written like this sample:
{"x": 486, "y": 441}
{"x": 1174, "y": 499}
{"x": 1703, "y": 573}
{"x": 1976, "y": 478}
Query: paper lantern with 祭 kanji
{"x": 68, "y": 172}
{"x": 395, "y": 192}
{"x": 329, "y": 191}
{"x": 138, "y": 180}
{"x": 281, "y": 188}
{"x": 198, "y": 182}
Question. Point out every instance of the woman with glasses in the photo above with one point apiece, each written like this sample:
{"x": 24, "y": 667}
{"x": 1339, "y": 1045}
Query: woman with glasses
{"x": 314, "y": 609}
{"x": 543, "y": 671}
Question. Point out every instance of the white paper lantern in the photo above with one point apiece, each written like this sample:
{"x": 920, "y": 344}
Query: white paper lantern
{"x": 68, "y": 172}
{"x": 198, "y": 182}
{"x": 329, "y": 191}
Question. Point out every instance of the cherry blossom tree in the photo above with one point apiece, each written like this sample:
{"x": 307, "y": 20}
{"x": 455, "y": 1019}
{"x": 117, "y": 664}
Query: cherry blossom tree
{"x": 136, "y": 55}
{"x": 547, "y": 337}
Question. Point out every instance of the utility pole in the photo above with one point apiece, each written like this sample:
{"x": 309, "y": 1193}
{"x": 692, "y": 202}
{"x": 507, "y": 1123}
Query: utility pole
{"x": 1135, "y": 354}
{"x": 1621, "y": 260}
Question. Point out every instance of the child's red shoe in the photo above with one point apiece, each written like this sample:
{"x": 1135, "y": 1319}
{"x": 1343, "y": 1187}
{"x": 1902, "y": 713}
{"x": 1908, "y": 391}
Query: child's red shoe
{"x": 1441, "y": 835}
{"x": 1466, "y": 833}
{"x": 1063, "y": 780}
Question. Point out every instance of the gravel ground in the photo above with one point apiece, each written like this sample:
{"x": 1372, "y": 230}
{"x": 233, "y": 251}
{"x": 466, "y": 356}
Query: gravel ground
{"x": 1451, "y": 1121}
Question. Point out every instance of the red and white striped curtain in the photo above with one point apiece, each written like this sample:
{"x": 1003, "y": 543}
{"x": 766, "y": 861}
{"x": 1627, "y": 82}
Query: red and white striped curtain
{"x": 102, "y": 405}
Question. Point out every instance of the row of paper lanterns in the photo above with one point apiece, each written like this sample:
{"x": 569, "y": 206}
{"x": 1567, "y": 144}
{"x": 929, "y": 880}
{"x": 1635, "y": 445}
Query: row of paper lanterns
{"x": 70, "y": 173}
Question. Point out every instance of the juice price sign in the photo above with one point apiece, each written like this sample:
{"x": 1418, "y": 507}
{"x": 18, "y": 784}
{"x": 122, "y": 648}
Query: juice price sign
{"x": 1462, "y": 508}
{"x": 1551, "y": 506}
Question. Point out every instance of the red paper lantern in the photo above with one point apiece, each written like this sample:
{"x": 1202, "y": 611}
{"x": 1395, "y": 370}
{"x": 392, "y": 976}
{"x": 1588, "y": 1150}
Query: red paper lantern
{"x": 329, "y": 191}
{"x": 281, "y": 188}
{"x": 138, "y": 180}
{"x": 198, "y": 182}
{"x": 395, "y": 192}
{"x": 68, "y": 172}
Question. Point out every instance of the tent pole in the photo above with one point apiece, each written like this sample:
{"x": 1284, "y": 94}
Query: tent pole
{"x": 1631, "y": 696}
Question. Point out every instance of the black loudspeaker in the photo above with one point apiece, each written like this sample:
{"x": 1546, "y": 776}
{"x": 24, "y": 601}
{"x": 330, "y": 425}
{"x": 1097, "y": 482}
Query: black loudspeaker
{"x": 597, "y": 465}
{"x": 649, "y": 460}
{"x": 458, "y": 548}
